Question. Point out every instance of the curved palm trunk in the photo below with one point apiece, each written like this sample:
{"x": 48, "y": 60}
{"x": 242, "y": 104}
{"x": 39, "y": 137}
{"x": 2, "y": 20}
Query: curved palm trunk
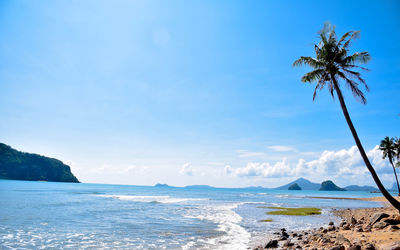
{"x": 378, "y": 182}
{"x": 395, "y": 174}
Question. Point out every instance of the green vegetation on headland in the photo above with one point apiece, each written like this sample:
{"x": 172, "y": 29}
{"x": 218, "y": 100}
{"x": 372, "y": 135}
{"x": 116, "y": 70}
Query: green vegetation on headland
{"x": 297, "y": 211}
{"x": 266, "y": 220}
{"x": 330, "y": 186}
{"x": 294, "y": 186}
{"x": 18, "y": 165}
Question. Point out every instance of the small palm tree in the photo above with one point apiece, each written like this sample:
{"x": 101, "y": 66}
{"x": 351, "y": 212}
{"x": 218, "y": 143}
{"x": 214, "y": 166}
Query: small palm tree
{"x": 397, "y": 148}
{"x": 333, "y": 62}
{"x": 389, "y": 150}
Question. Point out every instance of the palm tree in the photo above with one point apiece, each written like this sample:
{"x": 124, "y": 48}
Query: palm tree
{"x": 389, "y": 151}
{"x": 397, "y": 148}
{"x": 333, "y": 62}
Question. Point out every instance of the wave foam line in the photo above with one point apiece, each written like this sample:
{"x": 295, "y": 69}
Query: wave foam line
{"x": 159, "y": 199}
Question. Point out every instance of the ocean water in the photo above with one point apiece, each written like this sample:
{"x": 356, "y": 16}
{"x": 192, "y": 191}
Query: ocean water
{"x": 48, "y": 215}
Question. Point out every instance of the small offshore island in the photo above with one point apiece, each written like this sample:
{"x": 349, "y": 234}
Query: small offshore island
{"x": 16, "y": 165}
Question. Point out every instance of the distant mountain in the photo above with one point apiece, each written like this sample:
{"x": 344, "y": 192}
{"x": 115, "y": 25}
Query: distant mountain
{"x": 361, "y": 188}
{"x": 18, "y": 165}
{"x": 304, "y": 184}
{"x": 294, "y": 187}
{"x": 330, "y": 186}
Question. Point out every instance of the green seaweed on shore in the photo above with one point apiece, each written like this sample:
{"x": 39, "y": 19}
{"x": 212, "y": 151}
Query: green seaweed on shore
{"x": 297, "y": 211}
{"x": 266, "y": 220}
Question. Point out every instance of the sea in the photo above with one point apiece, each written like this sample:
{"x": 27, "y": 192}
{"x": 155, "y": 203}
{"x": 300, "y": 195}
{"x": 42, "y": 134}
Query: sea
{"x": 51, "y": 215}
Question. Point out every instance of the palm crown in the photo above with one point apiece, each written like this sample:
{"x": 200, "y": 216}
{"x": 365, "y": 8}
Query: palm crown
{"x": 388, "y": 147}
{"x": 333, "y": 61}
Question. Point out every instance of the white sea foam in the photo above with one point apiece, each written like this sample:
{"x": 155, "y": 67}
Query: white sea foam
{"x": 234, "y": 237}
{"x": 159, "y": 199}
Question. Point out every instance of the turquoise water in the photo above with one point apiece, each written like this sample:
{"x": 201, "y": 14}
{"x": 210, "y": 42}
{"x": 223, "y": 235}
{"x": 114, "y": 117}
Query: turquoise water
{"x": 77, "y": 215}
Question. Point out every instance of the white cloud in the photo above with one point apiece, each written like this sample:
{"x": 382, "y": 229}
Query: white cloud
{"x": 280, "y": 148}
{"x": 186, "y": 169}
{"x": 344, "y": 165}
{"x": 279, "y": 169}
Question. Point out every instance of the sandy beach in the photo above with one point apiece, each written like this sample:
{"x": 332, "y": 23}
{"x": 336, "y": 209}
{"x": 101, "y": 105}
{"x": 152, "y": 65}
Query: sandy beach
{"x": 367, "y": 228}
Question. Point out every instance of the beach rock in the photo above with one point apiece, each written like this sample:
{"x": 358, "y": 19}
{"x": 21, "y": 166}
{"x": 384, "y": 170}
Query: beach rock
{"x": 288, "y": 243}
{"x": 331, "y": 223}
{"x": 272, "y": 244}
{"x": 353, "y": 221}
{"x": 369, "y": 246}
{"x": 391, "y": 246}
{"x": 393, "y": 228}
{"x": 337, "y": 248}
{"x": 391, "y": 221}
{"x": 380, "y": 225}
{"x": 346, "y": 227}
{"x": 283, "y": 238}
{"x": 331, "y": 228}
{"x": 342, "y": 223}
{"x": 324, "y": 230}
{"x": 354, "y": 247}
{"x": 377, "y": 217}
{"x": 340, "y": 239}
{"x": 325, "y": 240}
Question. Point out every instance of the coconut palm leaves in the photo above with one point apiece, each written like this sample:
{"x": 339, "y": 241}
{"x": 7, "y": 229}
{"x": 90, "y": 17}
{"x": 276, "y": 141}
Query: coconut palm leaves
{"x": 332, "y": 60}
{"x": 390, "y": 151}
{"x": 332, "y": 64}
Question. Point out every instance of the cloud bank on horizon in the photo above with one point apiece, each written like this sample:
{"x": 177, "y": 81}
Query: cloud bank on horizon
{"x": 343, "y": 166}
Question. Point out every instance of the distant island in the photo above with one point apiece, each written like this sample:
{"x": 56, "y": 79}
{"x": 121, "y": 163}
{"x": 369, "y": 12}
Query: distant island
{"x": 305, "y": 184}
{"x": 16, "y": 165}
{"x": 294, "y": 186}
{"x": 330, "y": 186}
{"x": 161, "y": 185}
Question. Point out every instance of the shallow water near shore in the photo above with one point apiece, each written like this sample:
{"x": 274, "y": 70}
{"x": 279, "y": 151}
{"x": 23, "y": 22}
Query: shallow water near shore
{"x": 78, "y": 215}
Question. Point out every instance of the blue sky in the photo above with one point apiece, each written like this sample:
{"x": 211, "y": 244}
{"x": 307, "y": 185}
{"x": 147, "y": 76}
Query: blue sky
{"x": 192, "y": 92}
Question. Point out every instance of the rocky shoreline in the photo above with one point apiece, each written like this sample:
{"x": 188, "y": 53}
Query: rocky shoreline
{"x": 369, "y": 228}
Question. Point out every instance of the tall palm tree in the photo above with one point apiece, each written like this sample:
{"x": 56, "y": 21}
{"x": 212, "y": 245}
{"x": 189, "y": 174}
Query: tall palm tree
{"x": 389, "y": 150}
{"x": 333, "y": 62}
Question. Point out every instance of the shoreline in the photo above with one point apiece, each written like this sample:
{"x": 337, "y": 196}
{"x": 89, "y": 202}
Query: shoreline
{"x": 363, "y": 228}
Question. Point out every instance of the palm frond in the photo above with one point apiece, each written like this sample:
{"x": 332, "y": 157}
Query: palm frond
{"x": 344, "y": 37}
{"x": 357, "y": 93}
{"x": 314, "y": 63}
{"x": 358, "y": 57}
{"x": 354, "y": 35}
{"x": 321, "y": 84}
{"x": 357, "y": 75}
{"x": 313, "y": 75}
